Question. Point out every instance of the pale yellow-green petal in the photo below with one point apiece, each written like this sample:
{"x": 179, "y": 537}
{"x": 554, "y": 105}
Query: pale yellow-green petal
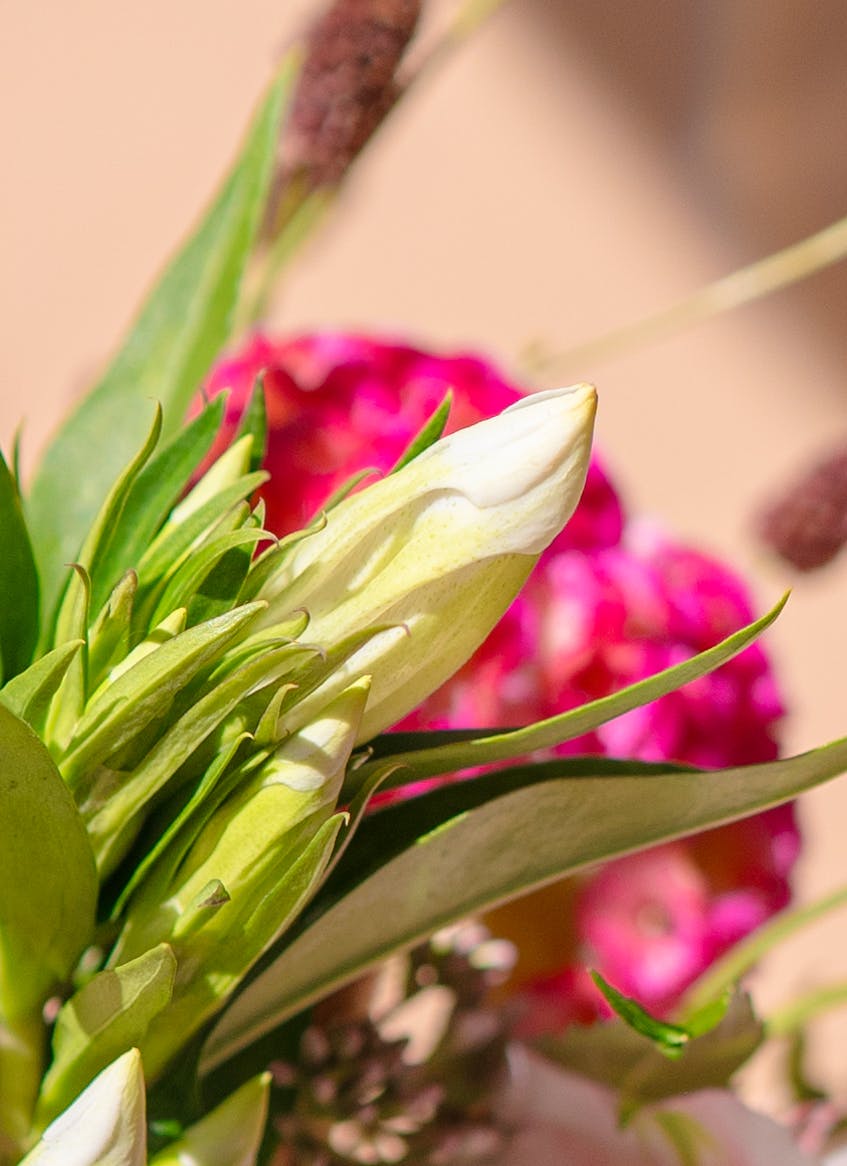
{"x": 105, "y": 1126}
{"x": 436, "y": 552}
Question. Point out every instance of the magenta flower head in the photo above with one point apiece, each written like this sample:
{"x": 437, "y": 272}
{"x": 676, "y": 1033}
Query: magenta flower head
{"x": 339, "y": 403}
{"x": 611, "y": 601}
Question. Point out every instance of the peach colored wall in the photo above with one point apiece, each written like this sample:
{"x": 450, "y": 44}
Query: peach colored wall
{"x": 575, "y": 167}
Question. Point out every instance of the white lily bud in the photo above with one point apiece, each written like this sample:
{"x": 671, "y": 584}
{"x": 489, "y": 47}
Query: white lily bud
{"x": 435, "y": 553}
{"x": 106, "y": 1124}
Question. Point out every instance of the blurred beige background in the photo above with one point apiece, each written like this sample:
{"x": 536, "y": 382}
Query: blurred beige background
{"x": 575, "y": 167}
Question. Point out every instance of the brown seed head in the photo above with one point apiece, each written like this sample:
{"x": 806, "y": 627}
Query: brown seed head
{"x": 807, "y": 526}
{"x": 347, "y": 86}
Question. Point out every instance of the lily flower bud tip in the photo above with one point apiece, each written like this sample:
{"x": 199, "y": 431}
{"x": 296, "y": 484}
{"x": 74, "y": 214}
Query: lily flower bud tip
{"x": 537, "y": 447}
{"x": 436, "y": 552}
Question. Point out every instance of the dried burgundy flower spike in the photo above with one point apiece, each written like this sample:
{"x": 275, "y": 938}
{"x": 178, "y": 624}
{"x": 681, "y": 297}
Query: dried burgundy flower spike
{"x": 347, "y": 86}
{"x": 807, "y": 524}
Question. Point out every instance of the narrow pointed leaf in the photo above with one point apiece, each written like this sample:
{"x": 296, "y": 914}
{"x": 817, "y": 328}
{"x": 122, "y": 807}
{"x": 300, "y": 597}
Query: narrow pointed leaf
{"x": 489, "y": 748}
{"x": 493, "y": 853}
{"x": 29, "y": 694}
{"x": 124, "y": 707}
{"x": 429, "y": 434}
{"x": 109, "y": 1015}
{"x": 176, "y": 543}
{"x": 114, "y": 822}
{"x": 254, "y": 421}
{"x": 97, "y": 540}
{"x": 66, "y": 709}
{"x": 18, "y": 581}
{"x": 186, "y": 587}
{"x": 154, "y": 492}
{"x": 668, "y": 1039}
{"x": 618, "y": 1056}
{"x": 229, "y": 1136}
{"x": 177, "y": 825}
{"x": 181, "y": 328}
{"x": 109, "y": 638}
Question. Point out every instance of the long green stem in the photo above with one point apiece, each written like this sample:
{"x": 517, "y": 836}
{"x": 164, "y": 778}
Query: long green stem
{"x": 750, "y": 283}
{"x": 21, "y": 1063}
{"x": 794, "y": 1017}
{"x": 305, "y": 215}
{"x": 470, "y": 16}
{"x": 740, "y": 959}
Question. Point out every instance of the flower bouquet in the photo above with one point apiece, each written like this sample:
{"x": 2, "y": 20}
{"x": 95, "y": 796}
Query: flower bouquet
{"x": 278, "y": 751}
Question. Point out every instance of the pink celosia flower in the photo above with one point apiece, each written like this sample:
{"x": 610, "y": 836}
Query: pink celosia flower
{"x": 611, "y": 602}
{"x": 338, "y": 404}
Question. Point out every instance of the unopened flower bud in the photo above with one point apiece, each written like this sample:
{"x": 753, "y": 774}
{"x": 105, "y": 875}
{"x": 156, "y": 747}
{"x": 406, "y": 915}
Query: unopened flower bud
{"x": 106, "y": 1124}
{"x": 430, "y": 557}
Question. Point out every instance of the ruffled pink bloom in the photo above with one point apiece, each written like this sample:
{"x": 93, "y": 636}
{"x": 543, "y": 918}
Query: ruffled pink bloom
{"x": 611, "y": 602}
{"x": 339, "y": 403}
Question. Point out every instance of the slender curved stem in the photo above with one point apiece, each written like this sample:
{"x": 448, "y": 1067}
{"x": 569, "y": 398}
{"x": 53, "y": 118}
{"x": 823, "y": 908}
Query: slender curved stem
{"x": 794, "y": 1017}
{"x": 740, "y": 959}
{"x": 743, "y": 286}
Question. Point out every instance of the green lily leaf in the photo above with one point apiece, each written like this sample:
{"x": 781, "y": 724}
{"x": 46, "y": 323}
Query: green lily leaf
{"x": 464, "y": 750}
{"x": 229, "y": 1136}
{"x": 18, "y": 581}
{"x": 109, "y": 637}
{"x": 429, "y": 434}
{"x": 48, "y": 884}
{"x": 29, "y": 694}
{"x": 181, "y": 328}
{"x": 72, "y": 614}
{"x": 72, "y": 618}
{"x": 196, "y": 572}
{"x": 121, "y": 709}
{"x": 180, "y": 821}
{"x": 102, "y": 1020}
{"x": 218, "y": 591}
{"x": 254, "y": 421}
{"x": 615, "y": 1054}
{"x": 181, "y": 537}
{"x": 247, "y": 873}
{"x": 489, "y": 853}
{"x": 669, "y": 1039}
{"x": 177, "y": 824}
{"x": 113, "y": 822}
{"x": 66, "y": 709}
{"x": 152, "y": 494}
{"x": 244, "y": 839}
{"x": 106, "y": 529}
